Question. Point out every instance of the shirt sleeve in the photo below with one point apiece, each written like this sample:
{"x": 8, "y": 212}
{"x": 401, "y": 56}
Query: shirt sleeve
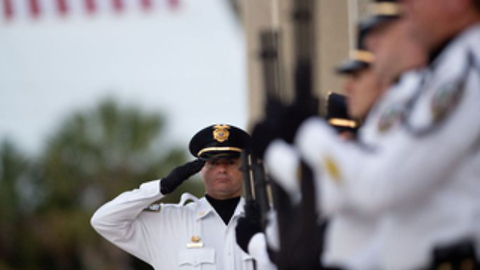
{"x": 405, "y": 166}
{"x": 283, "y": 160}
{"x": 118, "y": 220}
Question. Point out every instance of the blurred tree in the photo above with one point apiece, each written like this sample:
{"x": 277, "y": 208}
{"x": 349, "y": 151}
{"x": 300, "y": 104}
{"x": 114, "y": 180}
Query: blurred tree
{"x": 20, "y": 191}
{"x": 94, "y": 156}
{"x": 13, "y": 166}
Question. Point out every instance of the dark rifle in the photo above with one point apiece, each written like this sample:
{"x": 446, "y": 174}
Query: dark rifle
{"x": 300, "y": 237}
{"x": 300, "y": 234}
{"x": 257, "y": 185}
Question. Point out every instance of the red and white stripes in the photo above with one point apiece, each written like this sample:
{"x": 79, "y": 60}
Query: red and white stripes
{"x": 7, "y": 9}
{"x": 11, "y": 9}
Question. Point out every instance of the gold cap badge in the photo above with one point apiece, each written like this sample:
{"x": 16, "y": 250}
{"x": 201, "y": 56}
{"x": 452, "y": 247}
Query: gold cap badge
{"x": 221, "y": 133}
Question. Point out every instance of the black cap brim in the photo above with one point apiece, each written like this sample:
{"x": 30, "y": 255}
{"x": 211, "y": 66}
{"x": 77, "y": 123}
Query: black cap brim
{"x": 220, "y": 155}
{"x": 351, "y": 66}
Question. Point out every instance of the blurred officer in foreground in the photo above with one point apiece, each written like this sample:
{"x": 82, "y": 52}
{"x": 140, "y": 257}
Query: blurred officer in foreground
{"x": 398, "y": 59}
{"x": 348, "y": 232}
{"x": 362, "y": 86}
{"x": 394, "y": 50}
{"x": 250, "y": 236}
{"x": 199, "y": 235}
{"x": 421, "y": 178}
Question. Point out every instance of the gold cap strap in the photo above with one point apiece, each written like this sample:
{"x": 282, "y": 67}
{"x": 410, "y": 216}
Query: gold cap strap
{"x": 362, "y": 55}
{"x": 340, "y": 122}
{"x": 208, "y": 149}
{"x": 386, "y": 9}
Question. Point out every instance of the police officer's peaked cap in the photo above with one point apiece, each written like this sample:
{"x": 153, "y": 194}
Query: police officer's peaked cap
{"x": 360, "y": 57}
{"x": 219, "y": 141}
{"x": 382, "y": 11}
{"x": 351, "y": 66}
{"x": 337, "y": 115}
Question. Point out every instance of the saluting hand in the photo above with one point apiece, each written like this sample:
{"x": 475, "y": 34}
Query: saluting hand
{"x": 181, "y": 173}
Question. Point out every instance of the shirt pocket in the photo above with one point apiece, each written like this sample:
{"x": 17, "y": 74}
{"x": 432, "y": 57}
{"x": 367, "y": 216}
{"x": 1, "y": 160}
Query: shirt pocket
{"x": 203, "y": 258}
{"x": 248, "y": 262}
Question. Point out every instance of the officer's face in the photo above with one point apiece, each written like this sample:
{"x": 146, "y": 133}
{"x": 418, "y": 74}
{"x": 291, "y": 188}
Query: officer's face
{"x": 395, "y": 50}
{"x": 362, "y": 89}
{"x": 430, "y": 21}
{"x": 223, "y": 178}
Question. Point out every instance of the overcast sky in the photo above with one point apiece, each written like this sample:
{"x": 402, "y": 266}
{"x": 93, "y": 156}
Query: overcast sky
{"x": 188, "y": 64}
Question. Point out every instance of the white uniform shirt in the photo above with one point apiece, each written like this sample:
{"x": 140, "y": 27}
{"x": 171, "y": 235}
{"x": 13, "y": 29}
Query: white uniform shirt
{"x": 425, "y": 186}
{"x": 166, "y": 239}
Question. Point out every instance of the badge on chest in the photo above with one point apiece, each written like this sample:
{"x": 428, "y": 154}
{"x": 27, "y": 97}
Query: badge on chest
{"x": 195, "y": 242}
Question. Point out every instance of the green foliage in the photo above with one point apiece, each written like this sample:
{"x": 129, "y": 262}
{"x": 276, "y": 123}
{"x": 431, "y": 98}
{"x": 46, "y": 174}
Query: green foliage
{"x": 46, "y": 205}
{"x": 12, "y": 167}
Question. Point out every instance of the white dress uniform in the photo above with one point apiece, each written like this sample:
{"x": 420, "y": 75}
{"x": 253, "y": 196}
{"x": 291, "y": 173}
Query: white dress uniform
{"x": 423, "y": 176}
{"x": 178, "y": 236}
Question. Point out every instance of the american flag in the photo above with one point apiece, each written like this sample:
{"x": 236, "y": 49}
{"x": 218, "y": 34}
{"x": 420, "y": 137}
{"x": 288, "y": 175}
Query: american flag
{"x": 13, "y": 9}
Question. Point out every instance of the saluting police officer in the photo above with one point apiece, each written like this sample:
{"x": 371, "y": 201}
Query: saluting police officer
{"x": 199, "y": 235}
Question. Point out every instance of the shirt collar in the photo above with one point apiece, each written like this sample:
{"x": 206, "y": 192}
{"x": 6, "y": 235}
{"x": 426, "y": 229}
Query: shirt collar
{"x": 204, "y": 208}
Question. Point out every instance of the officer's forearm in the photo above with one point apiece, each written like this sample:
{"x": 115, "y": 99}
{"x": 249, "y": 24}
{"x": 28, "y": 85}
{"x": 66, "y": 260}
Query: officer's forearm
{"x": 113, "y": 218}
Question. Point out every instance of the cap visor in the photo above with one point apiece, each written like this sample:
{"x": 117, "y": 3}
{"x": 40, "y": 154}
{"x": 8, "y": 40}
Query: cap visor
{"x": 351, "y": 66}
{"x": 214, "y": 155}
